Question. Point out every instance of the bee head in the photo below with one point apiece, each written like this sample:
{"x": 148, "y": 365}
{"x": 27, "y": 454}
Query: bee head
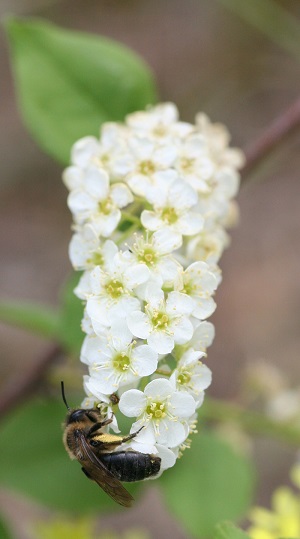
{"x": 75, "y": 416}
{"x": 80, "y": 414}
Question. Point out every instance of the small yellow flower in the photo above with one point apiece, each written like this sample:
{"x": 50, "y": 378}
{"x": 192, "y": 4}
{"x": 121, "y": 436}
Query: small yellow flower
{"x": 283, "y": 519}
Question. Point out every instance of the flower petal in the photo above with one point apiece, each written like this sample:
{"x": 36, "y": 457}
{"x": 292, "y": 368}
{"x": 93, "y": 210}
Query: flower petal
{"x": 170, "y": 433}
{"x": 132, "y": 403}
{"x": 139, "y": 324}
{"x": 144, "y": 360}
{"x": 161, "y": 342}
{"x": 181, "y": 404}
{"x": 160, "y": 388}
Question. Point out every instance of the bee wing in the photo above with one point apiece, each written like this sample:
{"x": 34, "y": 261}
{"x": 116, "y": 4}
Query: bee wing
{"x": 96, "y": 470}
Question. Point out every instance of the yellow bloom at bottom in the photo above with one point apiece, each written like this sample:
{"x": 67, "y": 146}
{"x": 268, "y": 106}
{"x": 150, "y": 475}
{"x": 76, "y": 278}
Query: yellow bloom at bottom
{"x": 81, "y": 528}
{"x": 283, "y": 519}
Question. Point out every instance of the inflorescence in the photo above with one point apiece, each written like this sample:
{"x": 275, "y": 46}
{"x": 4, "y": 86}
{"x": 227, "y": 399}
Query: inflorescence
{"x": 151, "y": 201}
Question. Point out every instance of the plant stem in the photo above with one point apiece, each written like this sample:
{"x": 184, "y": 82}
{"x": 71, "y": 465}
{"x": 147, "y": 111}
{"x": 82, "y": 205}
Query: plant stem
{"x": 251, "y": 421}
{"x": 127, "y": 233}
{"x": 21, "y": 386}
{"x": 275, "y": 134}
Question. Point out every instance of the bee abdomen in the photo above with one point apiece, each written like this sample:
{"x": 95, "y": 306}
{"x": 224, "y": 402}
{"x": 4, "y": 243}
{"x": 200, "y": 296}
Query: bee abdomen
{"x": 131, "y": 465}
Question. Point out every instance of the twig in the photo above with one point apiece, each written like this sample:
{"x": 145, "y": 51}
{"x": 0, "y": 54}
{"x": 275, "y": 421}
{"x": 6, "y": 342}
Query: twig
{"x": 276, "y": 133}
{"x": 250, "y": 420}
{"x": 20, "y": 387}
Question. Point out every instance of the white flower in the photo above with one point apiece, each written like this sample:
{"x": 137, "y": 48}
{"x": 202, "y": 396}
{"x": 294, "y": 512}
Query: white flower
{"x": 87, "y": 251}
{"x": 159, "y": 122}
{"x": 155, "y": 251}
{"x": 173, "y": 210}
{"x": 112, "y": 290}
{"x": 218, "y": 138}
{"x": 194, "y": 162}
{"x": 164, "y": 322}
{"x": 191, "y": 375}
{"x": 84, "y": 151}
{"x": 203, "y": 336}
{"x": 161, "y": 410}
{"x": 97, "y": 202}
{"x": 145, "y": 164}
{"x": 215, "y": 204}
{"x": 113, "y": 142}
{"x": 199, "y": 283}
{"x": 208, "y": 245}
{"x": 115, "y": 361}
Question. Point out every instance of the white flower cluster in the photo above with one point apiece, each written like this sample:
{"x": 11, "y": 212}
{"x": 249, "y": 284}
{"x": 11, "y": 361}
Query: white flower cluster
{"x": 161, "y": 190}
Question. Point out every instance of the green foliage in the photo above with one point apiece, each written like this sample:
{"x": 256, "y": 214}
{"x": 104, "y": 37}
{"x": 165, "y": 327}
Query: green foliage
{"x": 69, "y": 83}
{"x": 271, "y": 19}
{"x": 227, "y": 530}
{"x": 209, "y": 484}
{"x": 70, "y": 333}
{"x": 4, "y": 532}
{"x": 62, "y": 325}
{"x": 39, "y": 319}
{"x": 34, "y": 461}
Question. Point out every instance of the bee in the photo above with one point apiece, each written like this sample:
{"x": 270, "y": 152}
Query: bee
{"x": 94, "y": 449}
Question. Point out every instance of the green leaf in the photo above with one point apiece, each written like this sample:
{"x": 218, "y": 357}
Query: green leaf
{"x": 36, "y": 318}
{"x": 209, "y": 484}
{"x": 4, "y": 532}
{"x": 34, "y": 461}
{"x": 70, "y": 332}
{"x": 69, "y": 83}
{"x": 227, "y": 530}
{"x": 64, "y": 325}
{"x": 271, "y": 19}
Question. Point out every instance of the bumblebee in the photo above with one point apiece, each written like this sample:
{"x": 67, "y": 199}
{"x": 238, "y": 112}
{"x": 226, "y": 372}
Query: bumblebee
{"x": 94, "y": 449}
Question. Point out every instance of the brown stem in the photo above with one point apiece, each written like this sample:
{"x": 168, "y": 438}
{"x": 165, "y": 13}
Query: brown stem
{"x": 282, "y": 127}
{"x": 21, "y": 386}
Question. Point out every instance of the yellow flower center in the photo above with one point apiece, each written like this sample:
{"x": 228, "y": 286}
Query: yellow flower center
{"x": 189, "y": 288}
{"x": 187, "y": 164}
{"x": 184, "y": 378}
{"x": 169, "y": 215}
{"x": 121, "y": 362}
{"x": 105, "y": 206}
{"x": 146, "y": 167}
{"x": 96, "y": 259}
{"x": 156, "y": 410}
{"x": 159, "y": 320}
{"x": 147, "y": 256}
{"x": 114, "y": 288}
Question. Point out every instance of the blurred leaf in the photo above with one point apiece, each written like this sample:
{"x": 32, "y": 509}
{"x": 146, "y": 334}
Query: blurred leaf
{"x": 227, "y": 530}
{"x": 34, "y": 461}
{"x": 4, "y": 533}
{"x": 272, "y": 20}
{"x": 39, "y": 319}
{"x": 69, "y": 83}
{"x": 209, "y": 484}
{"x": 70, "y": 333}
{"x": 64, "y": 326}
{"x": 63, "y": 528}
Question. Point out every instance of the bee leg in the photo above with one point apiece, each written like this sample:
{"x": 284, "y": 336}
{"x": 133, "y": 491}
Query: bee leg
{"x": 133, "y": 435}
{"x": 99, "y": 425}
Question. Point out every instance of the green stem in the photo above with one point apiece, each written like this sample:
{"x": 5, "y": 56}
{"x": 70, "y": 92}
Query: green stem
{"x": 126, "y": 216}
{"x": 128, "y": 232}
{"x": 253, "y": 422}
{"x": 162, "y": 372}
